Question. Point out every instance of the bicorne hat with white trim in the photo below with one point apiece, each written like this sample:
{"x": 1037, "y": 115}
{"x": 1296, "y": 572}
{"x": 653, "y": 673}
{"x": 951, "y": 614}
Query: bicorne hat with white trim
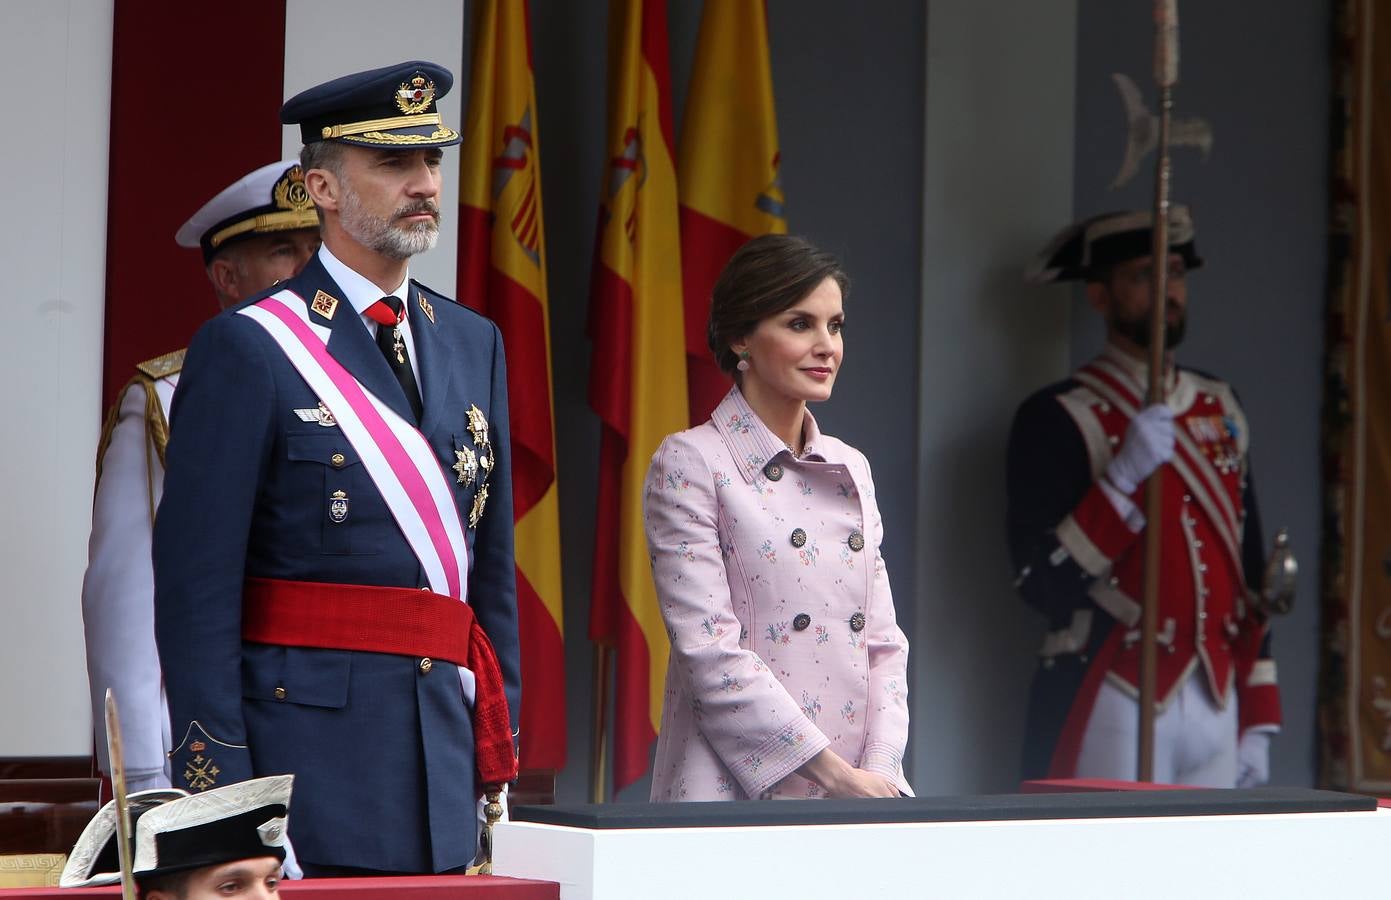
{"x": 93, "y": 859}
{"x": 1084, "y": 249}
{"x": 244, "y": 820}
{"x": 175, "y": 831}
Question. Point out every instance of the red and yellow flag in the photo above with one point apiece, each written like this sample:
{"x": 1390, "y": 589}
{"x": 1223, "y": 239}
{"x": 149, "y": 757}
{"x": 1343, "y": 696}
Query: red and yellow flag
{"x": 638, "y": 374}
{"x": 730, "y": 190}
{"x": 502, "y": 274}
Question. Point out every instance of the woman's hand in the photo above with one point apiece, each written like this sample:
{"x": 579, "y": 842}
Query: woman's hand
{"x": 840, "y": 779}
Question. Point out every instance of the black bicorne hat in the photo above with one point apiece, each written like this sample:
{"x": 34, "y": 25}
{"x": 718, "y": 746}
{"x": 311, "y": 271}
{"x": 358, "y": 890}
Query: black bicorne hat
{"x": 1094, "y": 245}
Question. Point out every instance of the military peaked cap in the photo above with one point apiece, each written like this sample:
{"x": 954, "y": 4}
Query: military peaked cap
{"x": 394, "y": 106}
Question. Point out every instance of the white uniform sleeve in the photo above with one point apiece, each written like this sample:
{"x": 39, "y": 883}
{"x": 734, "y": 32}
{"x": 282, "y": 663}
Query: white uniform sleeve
{"x": 118, "y": 599}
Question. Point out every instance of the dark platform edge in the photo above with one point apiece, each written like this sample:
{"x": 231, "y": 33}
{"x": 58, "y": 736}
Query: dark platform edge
{"x": 977, "y": 808}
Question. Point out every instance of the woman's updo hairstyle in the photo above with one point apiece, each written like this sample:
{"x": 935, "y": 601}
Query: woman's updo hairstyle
{"x": 764, "y": 277}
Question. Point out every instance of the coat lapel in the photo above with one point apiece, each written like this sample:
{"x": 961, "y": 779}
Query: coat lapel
{"x": 433, "y": 357}
{"x": 351, "y": 344}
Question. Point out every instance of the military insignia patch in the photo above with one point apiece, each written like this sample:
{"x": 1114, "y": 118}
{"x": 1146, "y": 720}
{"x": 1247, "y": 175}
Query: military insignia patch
{"x": 324, "y": 304}
{"x": 319, "y": 414}
{"x": 201, "y": 772}
{"x": 427, "y": 308}
{"x": 467, "y": 465}
{"x": 416, "y": 95}
{"x": 338, "y": 507}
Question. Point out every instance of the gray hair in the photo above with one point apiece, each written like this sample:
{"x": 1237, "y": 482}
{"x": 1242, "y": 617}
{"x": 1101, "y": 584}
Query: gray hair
{"x": 322, "y": 155}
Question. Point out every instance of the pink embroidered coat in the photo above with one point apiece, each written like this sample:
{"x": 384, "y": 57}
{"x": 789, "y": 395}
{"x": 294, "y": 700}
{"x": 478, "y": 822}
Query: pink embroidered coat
{"x": 775, "y": 597}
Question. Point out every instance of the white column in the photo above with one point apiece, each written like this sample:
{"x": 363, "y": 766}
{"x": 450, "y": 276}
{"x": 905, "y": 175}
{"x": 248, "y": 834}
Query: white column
{"x": 328, "y": 38}
{"x": 56, "y": 59}
{"x": 998, "y": 183}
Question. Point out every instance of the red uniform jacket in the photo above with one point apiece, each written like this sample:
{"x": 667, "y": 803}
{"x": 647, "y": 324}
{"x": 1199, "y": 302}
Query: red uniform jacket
{"x": 1081, "y": 562}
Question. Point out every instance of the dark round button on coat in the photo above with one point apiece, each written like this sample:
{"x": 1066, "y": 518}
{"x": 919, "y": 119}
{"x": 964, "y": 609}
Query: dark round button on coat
{"x": 857, "y": 622}
{"x": 856, "y": 541}
{"x": 799, "y": 537}
{"x": 801, "y": 621}
{"x": 773, "y": 471}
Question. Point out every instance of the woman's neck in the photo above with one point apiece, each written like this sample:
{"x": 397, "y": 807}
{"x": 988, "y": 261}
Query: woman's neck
{"x": 783, "y": 415}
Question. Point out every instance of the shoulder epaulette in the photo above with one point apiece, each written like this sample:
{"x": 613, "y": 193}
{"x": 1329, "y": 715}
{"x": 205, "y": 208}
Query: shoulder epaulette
{"x": 163, "y": 366}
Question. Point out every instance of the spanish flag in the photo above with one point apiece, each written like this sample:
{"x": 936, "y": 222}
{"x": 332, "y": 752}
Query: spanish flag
{"x": 638, "y": 374}
{"x": 730, "y": 190}
{"x": 502, "y": 274}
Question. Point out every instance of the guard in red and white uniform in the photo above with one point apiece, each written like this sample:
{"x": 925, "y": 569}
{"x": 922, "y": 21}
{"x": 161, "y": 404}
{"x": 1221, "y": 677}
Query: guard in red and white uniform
{"x": 1080, "y": 452}
{"x": 258, "y": 230}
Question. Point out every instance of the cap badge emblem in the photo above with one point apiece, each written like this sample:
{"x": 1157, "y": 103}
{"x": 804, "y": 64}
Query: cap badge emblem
{"x": 416, "y": 95}
{"x": 338, "y": 507}
{"x": 290, "y": 193}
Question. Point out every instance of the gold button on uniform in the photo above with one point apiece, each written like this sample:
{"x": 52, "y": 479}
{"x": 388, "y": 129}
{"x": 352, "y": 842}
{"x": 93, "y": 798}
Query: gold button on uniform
{"x": 426, "y": 665}
{"x": 280, "y": 693}
{"x": 338, "y": 459}
{"x": 799, "y": 538}
{"x": 773, "y": 471}
{"x": 856, "y": 541}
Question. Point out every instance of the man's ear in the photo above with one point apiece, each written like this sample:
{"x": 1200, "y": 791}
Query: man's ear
{"x": 223, "y": 274}
{"x": 323, "y": 187}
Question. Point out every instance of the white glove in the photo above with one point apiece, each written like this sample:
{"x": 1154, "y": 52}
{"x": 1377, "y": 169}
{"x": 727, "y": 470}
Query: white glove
{"x": 290, "y": 867}
{"x": 1253, "y": 759}
{"x": 1149, "y": 443}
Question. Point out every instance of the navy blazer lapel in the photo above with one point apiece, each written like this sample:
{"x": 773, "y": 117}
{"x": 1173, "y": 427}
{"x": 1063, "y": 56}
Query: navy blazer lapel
{"x": 433, "y": 356}
{"x": 350, "y": 342}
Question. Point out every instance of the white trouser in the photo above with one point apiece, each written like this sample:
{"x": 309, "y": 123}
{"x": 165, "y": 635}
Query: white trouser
{"x": 1194, "y": 741}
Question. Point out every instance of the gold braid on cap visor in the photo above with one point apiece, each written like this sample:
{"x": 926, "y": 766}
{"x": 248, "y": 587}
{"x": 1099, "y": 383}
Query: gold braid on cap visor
{"x": 374, "y": 131}
{"x": 281, "y": 220}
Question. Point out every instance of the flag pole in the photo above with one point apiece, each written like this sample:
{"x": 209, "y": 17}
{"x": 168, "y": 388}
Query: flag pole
{"x": 1165, "y": 76}
{"x": 598, "y": 757}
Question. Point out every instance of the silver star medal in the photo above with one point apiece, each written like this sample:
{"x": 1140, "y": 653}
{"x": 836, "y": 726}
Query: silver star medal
{"x": 466, "y": 466}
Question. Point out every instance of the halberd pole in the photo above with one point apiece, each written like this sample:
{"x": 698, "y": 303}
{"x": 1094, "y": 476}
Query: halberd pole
{"x": 1165, "y": 77}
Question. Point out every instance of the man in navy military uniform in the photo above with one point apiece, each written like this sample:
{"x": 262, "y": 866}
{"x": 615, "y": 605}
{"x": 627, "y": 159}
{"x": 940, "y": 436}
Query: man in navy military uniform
{"x": 1079, "y": 453}
{"x": 334, "y": 586}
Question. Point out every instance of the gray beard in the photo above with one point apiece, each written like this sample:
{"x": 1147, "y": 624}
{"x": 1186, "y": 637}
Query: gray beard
{"x": 379, "y": 235}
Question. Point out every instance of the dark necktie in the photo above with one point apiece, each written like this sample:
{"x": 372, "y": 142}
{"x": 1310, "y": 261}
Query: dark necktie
{"x": 388, "y": 313}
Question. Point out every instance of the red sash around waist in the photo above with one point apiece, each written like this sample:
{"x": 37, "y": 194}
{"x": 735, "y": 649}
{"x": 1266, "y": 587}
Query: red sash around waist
{"x": 395, "y": 620}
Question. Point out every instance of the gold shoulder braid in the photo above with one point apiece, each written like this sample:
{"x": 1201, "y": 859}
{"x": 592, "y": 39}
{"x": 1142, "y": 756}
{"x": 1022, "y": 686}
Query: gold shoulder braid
{"x": 156, "y": 426}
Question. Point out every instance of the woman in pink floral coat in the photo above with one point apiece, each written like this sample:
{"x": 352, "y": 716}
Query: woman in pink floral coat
{"x": 788, "y": 671}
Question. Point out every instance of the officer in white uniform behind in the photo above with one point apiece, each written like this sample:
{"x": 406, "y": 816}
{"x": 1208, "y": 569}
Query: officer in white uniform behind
{"x": 259, "y": 230}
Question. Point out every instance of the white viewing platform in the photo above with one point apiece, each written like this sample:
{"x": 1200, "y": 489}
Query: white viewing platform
{"x": 1266, "y": 843}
